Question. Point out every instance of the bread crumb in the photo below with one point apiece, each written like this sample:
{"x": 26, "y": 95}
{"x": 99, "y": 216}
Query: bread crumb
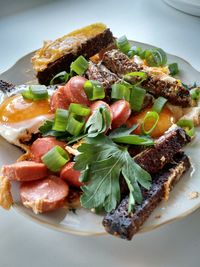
{"x": 158, "y": 216}
{"x": 6, "y": 199}
{"x": 193, "y": 195}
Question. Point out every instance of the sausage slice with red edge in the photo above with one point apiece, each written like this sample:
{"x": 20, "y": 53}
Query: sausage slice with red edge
{"x": 121, "y": 112}
{"x": 75, "y": 92}
{"x": 25, "y": 171}
{"x": 59, "y": 99}
{"x": 44, "y": 195}
{"x": 99, "y": 104}
{"x": 69, "y": 174}
{"x": 42, "y": 145}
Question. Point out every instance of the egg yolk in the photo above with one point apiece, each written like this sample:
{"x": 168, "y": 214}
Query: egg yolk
{"x": 166, "y": 119}
{"x": 16, "y": 109}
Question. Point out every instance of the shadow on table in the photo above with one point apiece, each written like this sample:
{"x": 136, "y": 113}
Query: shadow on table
{"x": 10, "y": 7}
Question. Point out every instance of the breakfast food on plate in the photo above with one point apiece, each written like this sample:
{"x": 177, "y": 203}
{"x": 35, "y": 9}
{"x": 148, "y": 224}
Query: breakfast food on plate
{"x": 104, "y": 130}
{"x": 120, "y": 223}
{"x": 55, "y": 56}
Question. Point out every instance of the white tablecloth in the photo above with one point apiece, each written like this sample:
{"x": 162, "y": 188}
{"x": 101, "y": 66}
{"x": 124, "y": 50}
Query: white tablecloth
{"x": 24, "y": 243}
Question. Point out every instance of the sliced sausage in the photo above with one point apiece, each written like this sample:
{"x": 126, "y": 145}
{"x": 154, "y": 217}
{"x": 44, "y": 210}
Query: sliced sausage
{"x": 99, "y": 104}
{"x": 75, "y": 92}
{"x": 42, "y": 145}
{"x": 59, "y": 99}
{"x": 121, "y": 112}
{"x": 44, "y": 195}
{"x": 69, "y": 174}
{"x": 25, "y": 171}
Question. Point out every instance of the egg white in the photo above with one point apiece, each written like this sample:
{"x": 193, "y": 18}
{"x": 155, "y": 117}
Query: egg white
{"x": 17, "y": 133}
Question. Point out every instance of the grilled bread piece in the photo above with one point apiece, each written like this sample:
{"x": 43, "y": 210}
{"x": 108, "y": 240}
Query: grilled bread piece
{"x": 122, "y": 224}
{"x": 57, "y": 56}
{"x": 100, "y": 73}
{"x": 169, "y": 88}
{"x": 154, "y": 159}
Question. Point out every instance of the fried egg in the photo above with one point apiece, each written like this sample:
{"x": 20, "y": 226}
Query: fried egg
{"x": 21, "y": 118}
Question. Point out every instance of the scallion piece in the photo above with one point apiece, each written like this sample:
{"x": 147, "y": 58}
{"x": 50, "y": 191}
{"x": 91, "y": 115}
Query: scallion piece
{"x": 79, "y": 109}
{"x": 79, "y": 66}
{"x": 159, "y": 104}
{"x": 187, "y": 125}
{"x": 173, "y": 68}
{"x": 136, "y": 77}
{"x": 60, "y": 122}
{"x": 75, "y": 124}
{"x": 35, "y": 92}
{"x": 120, "y": 91}
{"x": 156, "y": 58}
{"x": 55, "y": 158}
{"x": 123, "y": 44}
{"x": 61, "y": 77}
{"x": 39, "y": 92}
{"x": 195, "y": 93}
{"x": 151, "y": 118}
{"x": 137, "y": 98}
{"x": 27, "y": 94}
{"x": 94, "y": 90}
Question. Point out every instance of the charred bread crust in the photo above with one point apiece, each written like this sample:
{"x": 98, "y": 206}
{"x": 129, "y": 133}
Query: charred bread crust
{"x": 121, "y": 64}
{"x": 101, "y": 74}
{"x": 88, "y": 49}
{"x": 154, "y": 159}
{"x": 122, "y": 224}
{"x": 176, "y": 94}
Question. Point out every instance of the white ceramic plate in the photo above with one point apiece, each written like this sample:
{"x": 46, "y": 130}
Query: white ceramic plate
{"x": 191, "y": 7}
{"x": 85, "y": 222}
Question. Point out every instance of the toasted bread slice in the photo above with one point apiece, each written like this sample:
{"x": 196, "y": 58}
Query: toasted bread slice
{"x": 57, "y": 55}
{"x": 122, "y": 224}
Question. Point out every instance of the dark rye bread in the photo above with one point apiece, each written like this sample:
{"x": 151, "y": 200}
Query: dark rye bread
{"x": 122, "y": 224}
{"x": 154, "y": 159}
{"x": 88, "y": 49}
{"x": 121, "y": 64}
{"x": 100, "y": 73}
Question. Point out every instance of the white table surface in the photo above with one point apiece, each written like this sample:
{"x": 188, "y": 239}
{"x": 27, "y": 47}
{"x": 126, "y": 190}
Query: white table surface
{"x": 23, "y": 27}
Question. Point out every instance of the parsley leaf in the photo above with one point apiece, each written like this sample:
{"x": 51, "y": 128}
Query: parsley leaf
{"x": 98, "y": 122}
{"x": 46, "y": 130}
{"x": 104, "y": 161}
{"x": 123, "y": 135}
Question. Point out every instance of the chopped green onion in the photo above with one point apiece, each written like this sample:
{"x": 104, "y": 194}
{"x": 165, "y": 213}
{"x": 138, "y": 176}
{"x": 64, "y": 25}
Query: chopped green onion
{"x": 195, "y": 93}
{"x": 137, "y": 98}
{"x": 173, "y": 68}
{"x": 94, "y": 90}
{"x": 27, "y": 94}
{"x": 75, "y": 124}
{"x": 36, "y": 92}
{"x": 159, "y": 104}
{"x": 136, "y": 77}
{"x": 55, "y": 158}
{"x": 61, "y": 77}
{"x": 39, "y": 92}
{"x": 123, "y": 44}
{"x": 156, "y": 58}
{"x": 153, "y": 117}
{"x": 79, "y": 109}
{"x": 120, "y": 91}
{"x": 188, "y": 126}
{"x": 79, "y": 66}
{"x": 60, "y": 122}
{"x": 134, "y": 139}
